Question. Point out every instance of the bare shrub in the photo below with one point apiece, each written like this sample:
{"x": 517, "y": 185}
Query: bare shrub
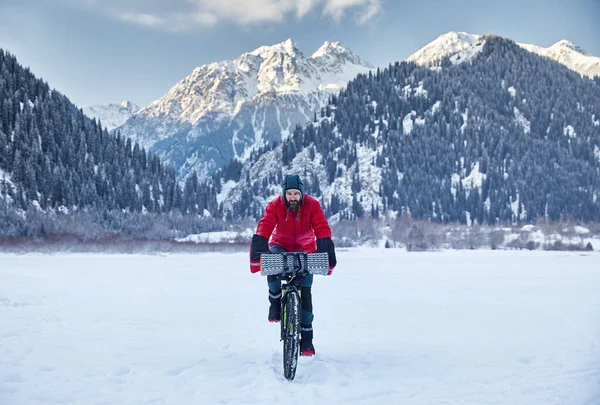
{"x": 532, "y": 245}
{"x": 496, "y": 238}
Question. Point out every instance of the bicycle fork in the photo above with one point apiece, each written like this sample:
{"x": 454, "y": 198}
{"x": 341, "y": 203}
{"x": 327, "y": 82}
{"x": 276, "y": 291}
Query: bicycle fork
{"x": 287, "y": 327}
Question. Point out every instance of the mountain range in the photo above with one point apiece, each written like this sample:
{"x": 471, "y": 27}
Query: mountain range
{"x": 492, "y": 133}
{"x": 461, "y": 45}
{"x": 226, "y": 110}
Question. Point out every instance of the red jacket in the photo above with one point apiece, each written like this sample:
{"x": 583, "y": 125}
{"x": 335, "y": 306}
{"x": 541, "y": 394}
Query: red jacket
{"x": 292, "y": 230}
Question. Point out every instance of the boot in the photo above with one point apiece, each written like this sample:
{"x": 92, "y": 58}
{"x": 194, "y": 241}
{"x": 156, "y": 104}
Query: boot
{"x": 275, "y": 307}
{"x": 306, "y": 337}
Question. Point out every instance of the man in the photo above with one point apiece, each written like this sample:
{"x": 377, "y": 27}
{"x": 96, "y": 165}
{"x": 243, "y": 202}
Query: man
{"x": 293, "y": 221}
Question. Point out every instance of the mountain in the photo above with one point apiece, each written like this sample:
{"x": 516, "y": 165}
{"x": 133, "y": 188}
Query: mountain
{"x": 111, "y": 115}
{"x": 224, "y": 110}
{"x": 54, "y": 161}
{"x": 570, "y": 55}
{"x": 511, "y": 137}
{"x": 445, "y": 45}
{"x": 461, "y": 46}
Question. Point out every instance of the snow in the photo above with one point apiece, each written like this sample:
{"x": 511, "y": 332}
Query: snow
{"x": 597, "y": 152}
{"x": 447, "y": 44}
{"x": 512, "y": 91}
{"x": 537, "y": 236}
{"x": 569, "y": 131}
{"x": 281, "y": 68}
{"x": 63, "y": 210}
{"x": 580, "y": 230}
{"x": 225, "y": 191}
{"x": 468, "y": 54}
{"x": 218, "y": 237}
{"x": 465, "y": 117}
{"x": 277, "y": 82}
{"x": 570, "y": 55}
{"x": 286, "y": 47}
{"x": 4, "y": 176}
{"x": 454, "y": 182}
{"x": 522, "y": 121}
{"x": 474, "y": 180}
{"x": 595, "y": 121}
{"x": 514, "y": 206}
{"x": 111, "y": 115}
{"x": 420, "y": 91}
{"x": 407, "y": 123}
{"x": 370, "y": 178}
{"x": 455, "y": 328}
{"x": 461, "y": 47}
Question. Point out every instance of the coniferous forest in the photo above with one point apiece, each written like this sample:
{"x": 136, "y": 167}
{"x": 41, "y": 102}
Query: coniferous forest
{"x": 508, "y": 137}
{"x": 57, "y": 165}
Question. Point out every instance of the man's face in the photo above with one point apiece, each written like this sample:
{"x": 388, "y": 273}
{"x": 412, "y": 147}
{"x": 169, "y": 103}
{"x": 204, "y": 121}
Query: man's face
{"x": 293, "y": 197}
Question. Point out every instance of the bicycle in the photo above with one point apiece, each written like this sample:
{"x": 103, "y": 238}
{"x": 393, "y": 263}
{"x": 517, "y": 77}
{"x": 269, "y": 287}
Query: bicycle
{"x": 291, "y": 268}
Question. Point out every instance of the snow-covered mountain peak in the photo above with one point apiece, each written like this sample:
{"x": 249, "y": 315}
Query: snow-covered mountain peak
{"x": 128, "y": 104}
{"x": 221, "y": 87}
{"x": 111, "y": 115}
{"x": 287, "y": 47}
{"x": 462, "y": 46}
{"x": 329, "y": 48}
{"x": 562, "y": 44}
{"x": 224, "y": 110}
{"x": 335, "y": 52}
{"x": 444, "y": 45}
{"x": 570, "y": 55}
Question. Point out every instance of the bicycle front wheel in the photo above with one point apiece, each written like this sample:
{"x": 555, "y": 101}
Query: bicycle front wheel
{"x": 291, "y": 334}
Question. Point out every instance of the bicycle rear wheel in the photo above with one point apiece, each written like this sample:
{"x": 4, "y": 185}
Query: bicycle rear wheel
{"x": 291, "y": 333}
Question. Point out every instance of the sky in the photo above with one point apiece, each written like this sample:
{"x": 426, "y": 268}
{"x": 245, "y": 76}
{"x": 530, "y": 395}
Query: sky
{"x": 108, "y": 51}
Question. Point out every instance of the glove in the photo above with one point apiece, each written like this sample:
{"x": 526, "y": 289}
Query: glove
{"x": 259, "y": 245}
{"x": 327, "y": 245}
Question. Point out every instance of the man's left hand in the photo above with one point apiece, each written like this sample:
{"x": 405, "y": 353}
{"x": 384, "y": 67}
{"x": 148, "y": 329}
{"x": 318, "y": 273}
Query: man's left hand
{"x": 327, "y": 245}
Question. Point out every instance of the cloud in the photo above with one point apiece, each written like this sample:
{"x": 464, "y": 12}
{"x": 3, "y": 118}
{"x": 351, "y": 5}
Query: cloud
{"x": 171, "y": 22}
{"x": 182, "y": 15}
{"x": 366, "y": 9}
{"x": 144, "y": 19}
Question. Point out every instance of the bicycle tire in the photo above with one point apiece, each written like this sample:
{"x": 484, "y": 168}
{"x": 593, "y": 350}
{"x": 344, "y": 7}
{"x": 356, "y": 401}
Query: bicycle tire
{"x": 291, "y": 334}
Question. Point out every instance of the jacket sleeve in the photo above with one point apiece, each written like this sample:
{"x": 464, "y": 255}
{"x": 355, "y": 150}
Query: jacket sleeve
{"x": 268, "y": 221}
{"x": 319, "y": 222}
{"x": 323, "y": 235}
{"x": 260, "y": 240}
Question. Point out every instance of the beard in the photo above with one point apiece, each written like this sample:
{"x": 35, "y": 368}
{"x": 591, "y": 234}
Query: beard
{"x": 293, "y": 205}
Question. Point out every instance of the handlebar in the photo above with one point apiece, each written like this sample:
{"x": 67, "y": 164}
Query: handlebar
{"x": 289, "y": 264}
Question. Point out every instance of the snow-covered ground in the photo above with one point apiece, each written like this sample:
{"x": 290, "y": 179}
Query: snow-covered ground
{"x": 391, "y": 327}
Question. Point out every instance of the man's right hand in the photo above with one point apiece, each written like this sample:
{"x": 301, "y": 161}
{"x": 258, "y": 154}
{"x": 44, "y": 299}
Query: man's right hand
{"x": 259, "y": 245}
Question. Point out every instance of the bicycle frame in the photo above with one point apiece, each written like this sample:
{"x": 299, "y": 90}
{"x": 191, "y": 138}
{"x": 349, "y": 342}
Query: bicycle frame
{"x": 291, "y": 268}
{"x": 289, "y": 286}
